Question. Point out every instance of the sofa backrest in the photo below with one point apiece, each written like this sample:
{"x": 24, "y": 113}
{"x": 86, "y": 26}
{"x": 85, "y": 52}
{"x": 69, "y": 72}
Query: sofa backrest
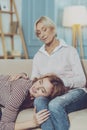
{"x": 10, "y": 66}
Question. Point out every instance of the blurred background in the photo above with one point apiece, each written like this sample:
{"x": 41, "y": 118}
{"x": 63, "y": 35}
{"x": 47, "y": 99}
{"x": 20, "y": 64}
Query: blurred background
{"x": 30, "y": 10}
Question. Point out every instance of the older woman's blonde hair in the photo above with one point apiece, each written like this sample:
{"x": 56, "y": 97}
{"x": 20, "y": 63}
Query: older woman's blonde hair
{"x": 47, "y": 22}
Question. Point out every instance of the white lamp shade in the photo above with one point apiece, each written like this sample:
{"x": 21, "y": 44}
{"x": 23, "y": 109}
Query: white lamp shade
{"x": 75, "y": 15}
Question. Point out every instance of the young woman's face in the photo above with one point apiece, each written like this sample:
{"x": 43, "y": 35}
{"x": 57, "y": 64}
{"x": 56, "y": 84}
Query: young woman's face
{"x": 42, "y": 87}
{"x": 44, "y": 33}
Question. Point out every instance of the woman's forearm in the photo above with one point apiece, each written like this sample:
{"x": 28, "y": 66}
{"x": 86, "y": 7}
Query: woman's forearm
{"x": 37, "y": 119}
{"x": 25, "y": 125}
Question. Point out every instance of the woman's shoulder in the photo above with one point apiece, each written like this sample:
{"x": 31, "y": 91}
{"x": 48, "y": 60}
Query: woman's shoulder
{"x": 68, "y": 46}
{"x": 22, "y": 84}
{"x": 4, "y": 78}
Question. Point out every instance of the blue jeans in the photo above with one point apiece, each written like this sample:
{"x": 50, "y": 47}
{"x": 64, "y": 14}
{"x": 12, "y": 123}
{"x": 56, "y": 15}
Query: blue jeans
{"x": 59, "y": 108}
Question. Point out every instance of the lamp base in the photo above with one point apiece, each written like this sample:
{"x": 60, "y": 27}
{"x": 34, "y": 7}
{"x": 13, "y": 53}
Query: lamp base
{"x": 77, "y": 34}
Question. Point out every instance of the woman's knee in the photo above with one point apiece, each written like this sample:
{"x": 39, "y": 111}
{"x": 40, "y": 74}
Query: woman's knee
{"x": 54, "y": 106}
{"x": 41, "y": 102}
{"x": 40, "y": 99}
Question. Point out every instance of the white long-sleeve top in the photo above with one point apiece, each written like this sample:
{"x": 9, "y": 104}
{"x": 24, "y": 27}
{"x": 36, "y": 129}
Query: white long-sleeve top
{"x": 64, "y": 61}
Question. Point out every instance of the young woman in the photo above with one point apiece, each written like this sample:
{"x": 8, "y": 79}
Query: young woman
{"x": 13, "y": 95}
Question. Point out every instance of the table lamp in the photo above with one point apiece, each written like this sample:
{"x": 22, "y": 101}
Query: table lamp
{"x": 75, "y": 17}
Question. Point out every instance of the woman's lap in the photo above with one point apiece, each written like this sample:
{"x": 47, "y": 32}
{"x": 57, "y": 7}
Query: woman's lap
{"x": 75, "y": 99}
{"x": 60, "y": 106}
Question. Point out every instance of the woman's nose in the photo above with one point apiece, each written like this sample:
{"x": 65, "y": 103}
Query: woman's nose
{"x": 38, "y": 88}
{"x": 42, "y": 35}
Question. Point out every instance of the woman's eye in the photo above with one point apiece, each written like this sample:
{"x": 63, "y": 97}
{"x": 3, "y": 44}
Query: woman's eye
{"x": 40, "y": 81}
{"x": 43, "y": 91}
{"x": 44, "y": 29}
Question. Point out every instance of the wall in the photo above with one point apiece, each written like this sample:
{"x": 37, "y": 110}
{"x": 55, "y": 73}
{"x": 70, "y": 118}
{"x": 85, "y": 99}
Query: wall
{"x": 66, "y": 33}
{"x": 30, "y": 13}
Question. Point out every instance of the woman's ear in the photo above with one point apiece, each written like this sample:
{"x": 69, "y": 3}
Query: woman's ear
{"x": 54, "y": 31}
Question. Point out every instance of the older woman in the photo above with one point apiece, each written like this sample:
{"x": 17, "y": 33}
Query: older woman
{"x": 55, "y": 56}
{"x": 13, "y": 96}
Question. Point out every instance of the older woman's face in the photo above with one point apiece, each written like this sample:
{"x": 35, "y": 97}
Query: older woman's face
{"x": 42, "y": 87}
{"x": 44, "y": 33}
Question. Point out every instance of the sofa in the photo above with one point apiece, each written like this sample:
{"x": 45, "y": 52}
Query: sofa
{"x": 78, "y": 119}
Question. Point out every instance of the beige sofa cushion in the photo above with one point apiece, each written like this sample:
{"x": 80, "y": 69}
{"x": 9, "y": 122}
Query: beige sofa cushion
{"x": 10, "y": 66}
{"x": 78, "y": 119}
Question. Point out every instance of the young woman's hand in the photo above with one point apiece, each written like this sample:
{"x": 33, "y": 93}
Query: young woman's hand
{"x": 41, "y": 116}
{"x": 17, "y": 76}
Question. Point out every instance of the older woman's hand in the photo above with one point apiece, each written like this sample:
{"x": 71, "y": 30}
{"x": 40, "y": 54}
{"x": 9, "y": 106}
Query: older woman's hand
{"x": 41, "y": 116}
{"x": 17, "y": 76}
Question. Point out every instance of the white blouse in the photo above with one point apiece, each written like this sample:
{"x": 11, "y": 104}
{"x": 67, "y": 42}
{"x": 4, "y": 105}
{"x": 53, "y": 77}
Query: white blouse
{"x": 64, "y": 61}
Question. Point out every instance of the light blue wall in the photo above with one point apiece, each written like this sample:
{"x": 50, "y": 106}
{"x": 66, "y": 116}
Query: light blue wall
{"x": 33, "y": 9}
{"x": 66, "y": 33}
